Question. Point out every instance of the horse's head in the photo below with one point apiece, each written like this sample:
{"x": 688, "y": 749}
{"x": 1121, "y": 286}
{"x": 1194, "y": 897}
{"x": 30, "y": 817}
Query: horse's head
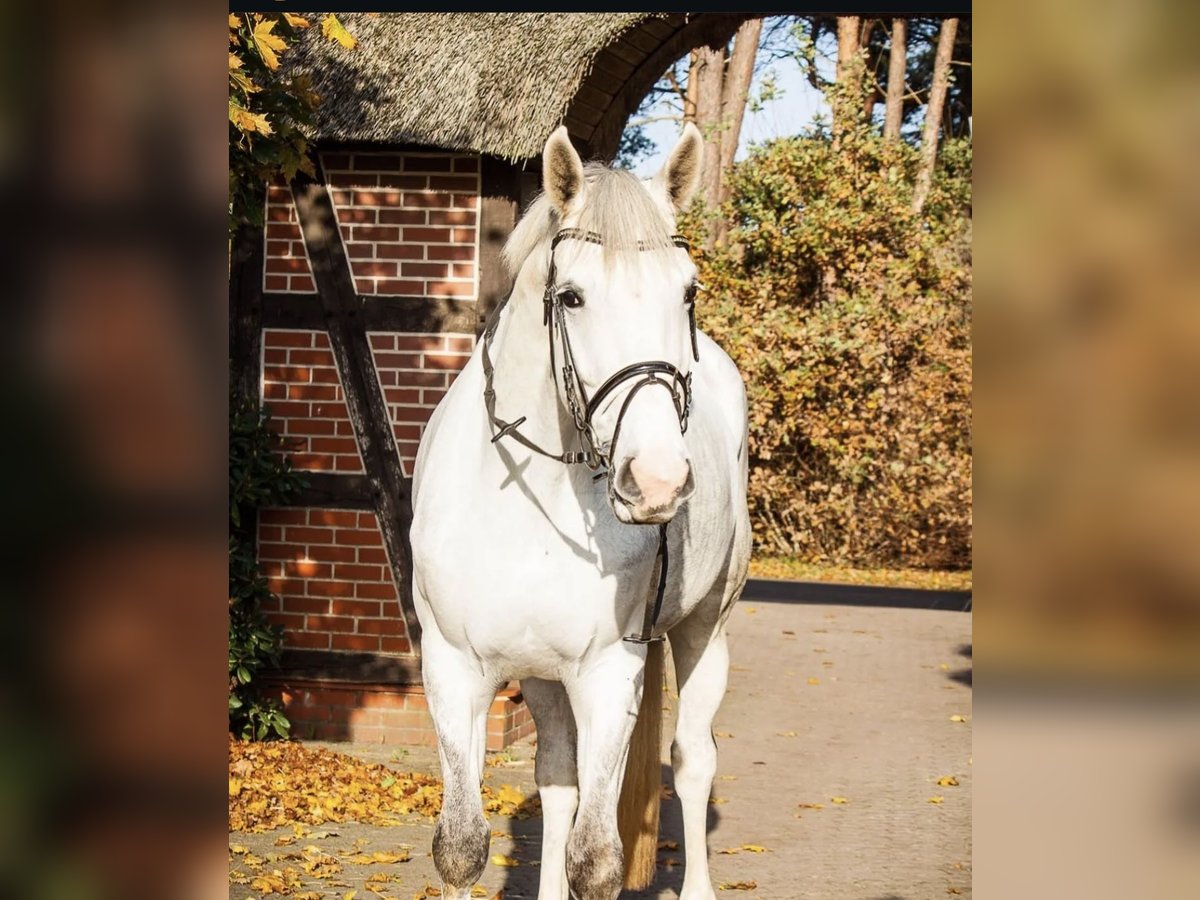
{"x": 621, "y": 288}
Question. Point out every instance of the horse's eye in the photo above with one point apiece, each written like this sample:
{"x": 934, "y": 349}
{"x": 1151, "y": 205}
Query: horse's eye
{"x": 570, "y": 299}
{"x": 689, "y": 296}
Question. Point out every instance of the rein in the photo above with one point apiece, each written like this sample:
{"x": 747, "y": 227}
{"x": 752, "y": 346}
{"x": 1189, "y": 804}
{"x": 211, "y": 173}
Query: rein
{"x": 583, "y": 409}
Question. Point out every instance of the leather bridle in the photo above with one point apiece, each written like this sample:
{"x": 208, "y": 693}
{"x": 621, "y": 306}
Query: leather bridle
{"x": 584, "y": 408}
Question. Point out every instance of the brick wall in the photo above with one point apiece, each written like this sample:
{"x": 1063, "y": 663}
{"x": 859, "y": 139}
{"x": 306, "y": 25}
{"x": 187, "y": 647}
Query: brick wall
{"x": 408, "y": 220}
{"x": 415, "y": 370}
{"x": 300, "y": 384}
{"x": 330, "y": 572}
{"x": 287, "y": 267}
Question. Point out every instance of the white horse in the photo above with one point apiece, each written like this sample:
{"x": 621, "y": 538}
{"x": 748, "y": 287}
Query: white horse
{"x": 541, "y": 486}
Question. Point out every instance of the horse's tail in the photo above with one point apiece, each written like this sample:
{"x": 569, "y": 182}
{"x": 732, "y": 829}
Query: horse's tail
{"x": 637, "y": 813}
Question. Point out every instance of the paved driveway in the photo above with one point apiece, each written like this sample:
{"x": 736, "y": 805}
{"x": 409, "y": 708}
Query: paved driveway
{"x": 823, "y": 702}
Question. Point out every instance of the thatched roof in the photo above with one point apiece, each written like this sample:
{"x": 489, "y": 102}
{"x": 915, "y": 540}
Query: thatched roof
{"x": 496, "y": 83}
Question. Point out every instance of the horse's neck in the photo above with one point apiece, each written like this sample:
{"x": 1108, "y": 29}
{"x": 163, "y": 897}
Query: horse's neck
{"x": 524, "y": 383}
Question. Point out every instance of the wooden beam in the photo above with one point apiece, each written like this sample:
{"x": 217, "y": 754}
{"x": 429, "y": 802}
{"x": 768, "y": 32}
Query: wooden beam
{"x": 245, "y": 309}
{"x": 417, "y": 314}
{"x": 365, "y": 404}
{"x": 333, "y": 490}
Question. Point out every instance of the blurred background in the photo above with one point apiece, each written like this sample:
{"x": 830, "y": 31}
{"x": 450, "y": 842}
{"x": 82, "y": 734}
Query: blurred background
{"x": 113, "y": 154}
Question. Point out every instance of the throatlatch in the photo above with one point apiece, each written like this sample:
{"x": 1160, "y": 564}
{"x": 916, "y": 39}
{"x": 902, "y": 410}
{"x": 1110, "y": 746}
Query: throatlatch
{"x": 583, "y": 409}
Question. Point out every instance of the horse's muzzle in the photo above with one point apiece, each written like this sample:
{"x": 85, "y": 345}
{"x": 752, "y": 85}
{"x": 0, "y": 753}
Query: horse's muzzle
{"x": 649, "y": 488}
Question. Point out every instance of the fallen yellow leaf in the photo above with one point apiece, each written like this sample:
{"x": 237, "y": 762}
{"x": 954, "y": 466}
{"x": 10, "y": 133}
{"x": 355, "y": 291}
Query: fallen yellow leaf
{"x": 730, "y": 851}
{"x": 957, "y": 718}
{"x": 811, "y": 805}
{"x": 786, "y": 733}
{"x": 722, "y": 734}
{"x": 814, "y": 681}
{"x": 499, "y": 859}
{"x": 668, "y": 845}
{"x": 754, "y": 848}
{"x": 737, "y": 885}
{"x": 935, "y": 799}
{"x": 947, "y": 781}
{"x": 839, "y": 800}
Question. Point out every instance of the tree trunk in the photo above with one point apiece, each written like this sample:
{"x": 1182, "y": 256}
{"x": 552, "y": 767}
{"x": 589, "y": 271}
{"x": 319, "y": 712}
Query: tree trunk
{"x": 846, "y": 107}
{"x": 709, "y": 76}
{"x": 734, "y": 91}
{"x": 897, "y": 66}
{"x": 693, "y": 86}
{"x": 933, "y": 112}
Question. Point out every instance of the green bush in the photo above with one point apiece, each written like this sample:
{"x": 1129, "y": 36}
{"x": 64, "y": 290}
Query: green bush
{"x": 849, "y": 317}
{"x": 259, "y": 475}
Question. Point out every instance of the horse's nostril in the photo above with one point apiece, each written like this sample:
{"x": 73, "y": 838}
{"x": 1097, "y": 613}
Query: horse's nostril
{"x": 656, "y": 480}
{"x": 626, "y": 484}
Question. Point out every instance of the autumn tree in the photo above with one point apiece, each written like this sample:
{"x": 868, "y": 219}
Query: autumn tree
{"x": 933, "y": 112}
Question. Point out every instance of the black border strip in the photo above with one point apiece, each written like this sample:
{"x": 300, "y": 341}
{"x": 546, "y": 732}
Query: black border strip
{"x": 780, "y": 591}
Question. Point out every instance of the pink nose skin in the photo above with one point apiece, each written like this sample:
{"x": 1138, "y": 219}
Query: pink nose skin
{"x": 659, "y": 477}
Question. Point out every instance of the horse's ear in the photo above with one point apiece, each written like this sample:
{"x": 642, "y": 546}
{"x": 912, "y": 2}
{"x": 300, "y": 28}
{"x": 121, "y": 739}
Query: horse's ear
{"x": 562, "y": 173}
{"x": 681, "y": 175}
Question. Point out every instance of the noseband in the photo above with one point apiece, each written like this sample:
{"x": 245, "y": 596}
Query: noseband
{"x": 583, "y": 409}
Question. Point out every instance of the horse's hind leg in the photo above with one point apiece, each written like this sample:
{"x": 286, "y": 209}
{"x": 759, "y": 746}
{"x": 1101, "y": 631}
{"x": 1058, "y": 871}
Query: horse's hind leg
{"x": 701, "y": 654}
{"x": 458, "y": 698}
{"x": 557, "y": 779}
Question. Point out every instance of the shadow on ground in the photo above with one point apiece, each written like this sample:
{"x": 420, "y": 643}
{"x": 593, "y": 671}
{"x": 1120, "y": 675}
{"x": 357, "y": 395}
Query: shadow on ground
{"x": 962, "y": 676}
{"x": 522, "y": 882}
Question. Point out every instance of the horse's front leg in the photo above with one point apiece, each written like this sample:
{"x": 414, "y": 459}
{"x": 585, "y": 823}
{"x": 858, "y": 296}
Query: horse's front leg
{"x": 701, "y": 654}
{"x": 458, "y": 697}
{"x": 557, "y": 778}
{"x": 605, "y": 700}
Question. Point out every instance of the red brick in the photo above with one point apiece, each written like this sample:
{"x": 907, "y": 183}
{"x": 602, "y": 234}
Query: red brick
{"x": 373, "y": 591}
{"x": 277, "y": 213}
{"x": 307, "y": 568}
{"x": 372, "y": 555}
{"x": 425, "y": 379}
{"x": 278, "y": 264}
{"x": 360, "y": 537}
{"x": 460, "y": 344}
{"x": 286, "y": 409}
{"x": 329, "y": 623}
{"x": 450, "y": 252}
{"x": 463, "y": 235}
{"x": 424, "y": 270}
{"x": 407, "y": 449}
{"x": 408, "y": 288}
{"x": 306, "y": 639}
{"x": 274, "y": 356}
{"x": 320, "y": 340}
{"x": 289, "y": 374}
{"x": 427, "y": 235}
{"x": 466, "y": 201}
{"x": 274, "y": 390}
{"x": 355, "y": 608}
{"x": 332, "y": 517}
{"x": 414, "y": 414}
{"x": 406, "y": 182}
{"x": 353, "y": 180}
{"x": 330, "y": 589}
{"x": 426, "y": 164}
{"x": 427, "y": 200}
{"x": 394, "y": 627}
{"x": 378, "y": 198}
{"x": 335, "y": 445}
{"x": 358, "y": 573}
{"x": 367, "y": 520}
{"x": 395, "y": 645}
{"x": 302, "y": 284}
{"x": 285, "y": 620}
{"x": 284, "y": 585}
{"x": 357, "y": 216}
{"x": 444, "y": 361}
{"x": 355, "y": 642}
{"x": 270, "y": 533}
{"x": 370, "y": 162}
{"x": 305, "y": 535}
{"x": 309, "y": 426}
{"x": 359, "y": 251}
{"x": 278, "y": 248}
{"x": 380, "y": 341}
{"x": 306, "y": 605}
{"x": 407, "y": 432}
{"x": 452, "y": 183}
{"x": 376, "y": 269}
{"x": 420, "y": 342}
{"x": 341, "y": 198}
{"x": 463, "y": 270}
{"x": 415, "y": 701}
{"x": 364, "y": 286}
{"x": 376, "y": 233}
{"x": 449, "y": 288}
{"x": 402, "y": 251}
{"x": 451, "y": 217}
{"x": 398, "y": 361}
{"x": 311, "y": 357}
{"x": 383, "y": 700}
{"x": 402, "y": 216}
{"x": 345, "y": 463}
{"x": 332, "y": 553}
{"x": 402, "y": 395}
{"x": 329, "y": 410}
{"x": 312, "y": 462}
{"x": 312, "y": 392}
